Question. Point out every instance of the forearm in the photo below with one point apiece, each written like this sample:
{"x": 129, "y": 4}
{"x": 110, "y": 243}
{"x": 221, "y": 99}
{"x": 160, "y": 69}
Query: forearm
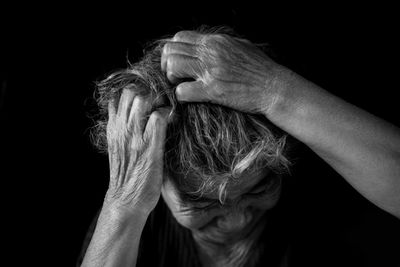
{"x": 116, "y": 239}
{"x": 364, "y": 149}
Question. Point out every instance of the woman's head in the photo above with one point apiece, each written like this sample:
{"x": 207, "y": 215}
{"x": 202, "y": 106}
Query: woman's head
{"x": 221, "y": 166}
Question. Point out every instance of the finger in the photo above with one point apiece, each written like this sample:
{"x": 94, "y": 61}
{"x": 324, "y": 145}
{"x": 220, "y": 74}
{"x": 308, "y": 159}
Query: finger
{"x": 192, "y": 92}
{"x": 125, "y": 104}
{"x": 156, "y": 129}
{"x": 188, "y": 37}
{"x": 181, "y": 66}
{"x": 141, "y": 107}
{"x": 111, "y": 109}
{"x": 180, "y": 48}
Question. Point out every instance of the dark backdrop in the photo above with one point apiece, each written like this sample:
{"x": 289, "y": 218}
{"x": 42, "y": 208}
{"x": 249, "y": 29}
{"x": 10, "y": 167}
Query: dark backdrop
{"x": 54, "y": 180}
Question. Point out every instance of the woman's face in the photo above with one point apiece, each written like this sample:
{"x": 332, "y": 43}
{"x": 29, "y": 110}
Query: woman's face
{"x": 246, "y": 202}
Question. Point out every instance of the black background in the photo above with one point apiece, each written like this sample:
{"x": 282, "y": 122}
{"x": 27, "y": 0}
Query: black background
{"x": 54, "y": 180}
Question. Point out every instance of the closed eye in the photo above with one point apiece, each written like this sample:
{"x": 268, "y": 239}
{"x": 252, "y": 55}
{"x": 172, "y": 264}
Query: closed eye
{"x": 202, "y": 207}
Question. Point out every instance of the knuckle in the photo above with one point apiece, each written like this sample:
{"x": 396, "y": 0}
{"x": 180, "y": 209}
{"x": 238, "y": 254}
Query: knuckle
{"x": 170, "y": 62}
{"x": 219, "y": 71}
{"x": 208, "y": 39}
{"x": 220, "y": 37}
{"x": 156, "y": 117}
{"x": 180, "y": 35}
{"x": 180, "y": 87}
{"x": 141, "y": 103}
{"x": 139, "y": 100}
{"x": 214, "y": 40}
{"x": 158, "y": 120}
{"x": 217, "y": 92}
{"x": 166, "y": 49}
{"x": 170, "y": 75}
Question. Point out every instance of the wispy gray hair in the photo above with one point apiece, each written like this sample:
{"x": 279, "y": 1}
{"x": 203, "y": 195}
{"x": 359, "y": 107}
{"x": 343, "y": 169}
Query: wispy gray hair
{"x": 207, "y": 145}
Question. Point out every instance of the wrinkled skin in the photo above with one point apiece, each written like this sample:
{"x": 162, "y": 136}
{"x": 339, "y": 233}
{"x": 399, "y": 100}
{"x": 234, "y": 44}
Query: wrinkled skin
{"x": 136, "y": 146}
{"x": 234, "y": 73}
{"x": 226, "y": 70}
{"x": 136, "y": 149}
{"x": 246, "y": 203}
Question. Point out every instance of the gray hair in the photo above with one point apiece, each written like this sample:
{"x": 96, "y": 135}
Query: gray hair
{"x": 207, "y": 145}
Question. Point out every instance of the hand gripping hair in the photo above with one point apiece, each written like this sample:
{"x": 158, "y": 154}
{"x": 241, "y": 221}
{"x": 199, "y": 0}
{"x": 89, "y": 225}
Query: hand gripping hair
{"x": 207, "y": 145}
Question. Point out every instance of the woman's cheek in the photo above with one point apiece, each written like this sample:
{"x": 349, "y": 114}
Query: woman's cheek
{"x": 190, "y": 221}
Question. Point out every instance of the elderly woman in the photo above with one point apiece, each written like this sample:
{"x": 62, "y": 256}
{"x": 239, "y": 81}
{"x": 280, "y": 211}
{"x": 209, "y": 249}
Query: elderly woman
{"x": 203, "y": 121}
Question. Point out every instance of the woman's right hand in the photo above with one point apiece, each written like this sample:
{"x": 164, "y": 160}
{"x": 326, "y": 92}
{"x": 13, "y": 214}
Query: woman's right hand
{"x": 136, "y": 149}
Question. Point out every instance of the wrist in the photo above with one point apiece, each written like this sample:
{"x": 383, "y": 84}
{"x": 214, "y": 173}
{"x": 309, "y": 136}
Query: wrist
{"x": 112, "y": 222}
{"x": 123, "y": 204}
{"x": 282, "y": 94}
{"x": 120, "y": 213}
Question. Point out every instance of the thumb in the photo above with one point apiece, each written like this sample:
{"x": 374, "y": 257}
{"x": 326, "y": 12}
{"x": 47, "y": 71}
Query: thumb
{"x": 192, "y": 92}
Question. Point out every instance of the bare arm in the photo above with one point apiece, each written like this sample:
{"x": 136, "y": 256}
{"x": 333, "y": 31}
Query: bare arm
{"x": 136, "y": 150}
{"x": 116, "y": 239}
{"x": 362, "y": 148}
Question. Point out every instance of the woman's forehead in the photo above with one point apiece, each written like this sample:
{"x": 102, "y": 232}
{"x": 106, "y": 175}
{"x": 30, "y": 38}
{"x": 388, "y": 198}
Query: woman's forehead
{"x": 235, "y": 187}
{"x": 243, "y": 184}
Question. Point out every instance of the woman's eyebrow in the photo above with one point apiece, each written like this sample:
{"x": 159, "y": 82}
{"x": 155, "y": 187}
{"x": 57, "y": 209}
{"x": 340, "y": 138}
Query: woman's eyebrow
{"x": 187, "y": 197}
{"x": 192, "y": 198}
